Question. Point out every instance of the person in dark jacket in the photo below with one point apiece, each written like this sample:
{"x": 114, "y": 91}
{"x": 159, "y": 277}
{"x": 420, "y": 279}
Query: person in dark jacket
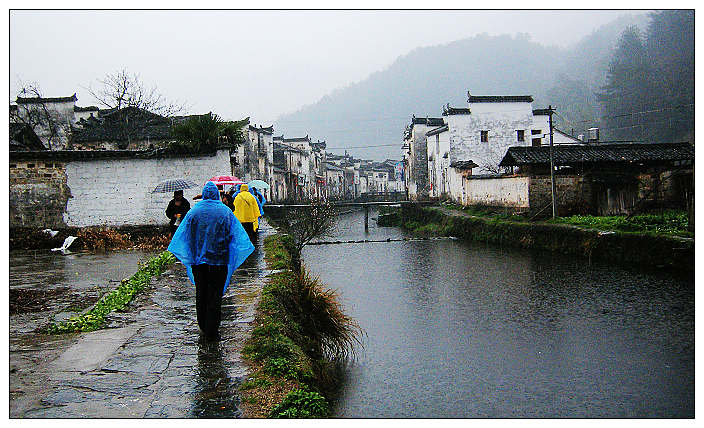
{"x": 177, "y": 209}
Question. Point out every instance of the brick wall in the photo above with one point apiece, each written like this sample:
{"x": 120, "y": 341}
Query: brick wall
{"x": 108, "y": 191}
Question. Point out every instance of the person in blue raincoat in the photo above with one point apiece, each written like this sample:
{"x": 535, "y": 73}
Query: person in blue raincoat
{"x": 260, "y": 199}
{"x": 211, "y": 243}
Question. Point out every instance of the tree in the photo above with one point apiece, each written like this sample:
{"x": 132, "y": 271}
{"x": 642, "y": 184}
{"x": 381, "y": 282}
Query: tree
{"x": 626, "y": 95}
{"x": 122, "y": 89}
{"x": 49, "y": 124}
{"x": 670, "y": 47}
{"x": 303, "y": 224}
{"x": 202, "y": 133}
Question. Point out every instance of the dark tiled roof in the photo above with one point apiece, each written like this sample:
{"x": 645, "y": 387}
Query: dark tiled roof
{"x": 100, "y": 154}
{"x": 499, "y": 99}
{"x": 595, "y": 153}
{"x": 37, "y": 100}
{"x": 437, "y": 130}
{"x": 89, "y": 108}
{"x": 320, "y": 145}
{"x": 447, "y": 110}
{"x": 127, "y": 123}
{"x": 268, "y": 130}
{"x": 279, "y": 138}
{"x": 297, "y": 140}
{"x": 23, "y": 137}
{"x": 13, "y": 107}
{"x": 468, "y": 164}
{"x": 428, "y": 121}
{"x": 541, "y": 112}
{"x": 278, "y": 147}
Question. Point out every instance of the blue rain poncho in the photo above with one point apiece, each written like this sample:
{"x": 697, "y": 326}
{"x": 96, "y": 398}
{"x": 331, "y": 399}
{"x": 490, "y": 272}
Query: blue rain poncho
{"x": 211, "y": 234}
{"x": 260, "y": 199}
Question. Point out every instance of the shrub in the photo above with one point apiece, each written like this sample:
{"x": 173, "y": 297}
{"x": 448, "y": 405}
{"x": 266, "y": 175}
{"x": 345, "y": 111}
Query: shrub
{"x": 301, "y": 404}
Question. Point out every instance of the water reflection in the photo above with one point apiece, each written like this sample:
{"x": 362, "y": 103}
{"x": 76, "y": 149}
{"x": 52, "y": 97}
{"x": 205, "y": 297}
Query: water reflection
{"x": 215, "y": 395}
{"x": 460, "y": 329}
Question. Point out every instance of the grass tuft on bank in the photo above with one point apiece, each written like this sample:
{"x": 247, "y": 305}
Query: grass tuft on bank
{"x": 117, "y": 299}
{"x": 302, "y": 339}
{"x": 671, "y": 222}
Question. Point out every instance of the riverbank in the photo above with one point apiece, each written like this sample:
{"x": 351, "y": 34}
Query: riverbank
{"x": 94, "y": 238}
{"x": 615, "y": 246}
{"x": 300, "y": 343}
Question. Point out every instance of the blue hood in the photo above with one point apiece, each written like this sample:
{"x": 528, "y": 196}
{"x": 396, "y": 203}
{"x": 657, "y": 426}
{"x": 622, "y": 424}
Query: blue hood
{"x": 210, "y": 191}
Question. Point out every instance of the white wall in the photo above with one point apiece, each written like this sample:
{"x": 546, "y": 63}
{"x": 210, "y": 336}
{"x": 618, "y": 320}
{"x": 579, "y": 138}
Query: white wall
{"x": 503, "y": 191}
{"x": 501, "y": 120}
{"x": 117, "y": 192}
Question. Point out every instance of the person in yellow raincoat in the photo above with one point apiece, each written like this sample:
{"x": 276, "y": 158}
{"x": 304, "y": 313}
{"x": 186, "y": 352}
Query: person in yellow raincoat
{"x": 247, "y": 212}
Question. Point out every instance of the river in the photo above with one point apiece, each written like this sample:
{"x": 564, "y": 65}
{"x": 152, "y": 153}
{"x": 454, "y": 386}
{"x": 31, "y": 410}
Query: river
{"x": 467, "y": 330}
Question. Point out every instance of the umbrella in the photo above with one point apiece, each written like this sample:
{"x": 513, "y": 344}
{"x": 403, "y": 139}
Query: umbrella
{"x": 259, "y": 184}
{"x": 173, "y": 185}
{"x": 221, "y": 180}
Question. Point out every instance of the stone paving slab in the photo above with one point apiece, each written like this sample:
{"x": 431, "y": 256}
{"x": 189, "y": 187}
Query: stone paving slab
{"x": 155, "y": 364}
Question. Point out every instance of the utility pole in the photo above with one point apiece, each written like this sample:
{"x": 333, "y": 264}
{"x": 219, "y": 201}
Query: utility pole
{"x": 552, "y": 165}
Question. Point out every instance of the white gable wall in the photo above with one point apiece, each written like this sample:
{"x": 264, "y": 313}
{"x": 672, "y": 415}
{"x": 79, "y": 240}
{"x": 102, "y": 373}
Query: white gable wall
{"x": 501, "y": 120}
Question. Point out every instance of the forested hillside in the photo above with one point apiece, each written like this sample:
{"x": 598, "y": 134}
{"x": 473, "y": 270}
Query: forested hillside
{"x": 586, "y": 82}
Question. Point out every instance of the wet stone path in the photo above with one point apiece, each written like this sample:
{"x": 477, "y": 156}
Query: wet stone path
{"x": 152, "y": 362}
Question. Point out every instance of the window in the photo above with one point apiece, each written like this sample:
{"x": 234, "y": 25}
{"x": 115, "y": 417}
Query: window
{"x": 536, "y": 142}
{"x": 536, "y": 131}
{"x": 521, "y": 135}
{"x": 484, "y": 135}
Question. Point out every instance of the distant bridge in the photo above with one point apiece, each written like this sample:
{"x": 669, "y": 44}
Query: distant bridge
{"x": 366, "y": 206}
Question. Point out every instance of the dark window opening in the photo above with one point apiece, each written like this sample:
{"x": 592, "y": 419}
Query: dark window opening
{"x": 536, "y": 131}
{"x": 484, "y": 135}
{"x": 521, "y": 135}
{"x": 536, "y": 142}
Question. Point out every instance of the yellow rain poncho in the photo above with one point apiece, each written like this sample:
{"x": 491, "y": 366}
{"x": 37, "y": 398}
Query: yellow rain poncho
{"x": 246, "y": 207}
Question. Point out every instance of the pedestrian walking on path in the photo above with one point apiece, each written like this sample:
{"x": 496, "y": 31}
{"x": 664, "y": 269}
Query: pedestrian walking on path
{"x": 211, "y": 243}
{"x": 177, "y": 208}
{"x": 247, "y": 212}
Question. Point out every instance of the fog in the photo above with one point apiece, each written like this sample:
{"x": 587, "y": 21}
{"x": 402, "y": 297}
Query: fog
{"x": 260, "y": 64}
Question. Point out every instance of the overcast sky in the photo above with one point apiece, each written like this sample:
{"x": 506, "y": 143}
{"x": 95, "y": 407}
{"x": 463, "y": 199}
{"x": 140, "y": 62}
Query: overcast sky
{"x": 251, "y": 63}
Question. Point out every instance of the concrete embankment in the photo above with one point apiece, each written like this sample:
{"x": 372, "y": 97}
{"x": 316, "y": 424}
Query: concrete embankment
{"x": 628, "y": 248}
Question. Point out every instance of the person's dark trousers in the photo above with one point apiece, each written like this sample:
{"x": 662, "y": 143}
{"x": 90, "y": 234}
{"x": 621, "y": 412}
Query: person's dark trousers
{"x": 172, "y": 229}
{"x": 249, "y": 228}
{"x": 210, "y": 281}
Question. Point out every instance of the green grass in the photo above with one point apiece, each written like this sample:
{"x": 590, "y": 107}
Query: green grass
{"x": 671, "y": 222}
{"x": 301, "y": 331}
{"x": 116, "y": 300}
{"x": 301, "y": 403}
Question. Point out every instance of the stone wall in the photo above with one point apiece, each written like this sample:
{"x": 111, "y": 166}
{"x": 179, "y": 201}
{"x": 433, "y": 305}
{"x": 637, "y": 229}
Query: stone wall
{"x": 573, "y": 192}
{"x": 104, "y": 190}
{"x": 38, "y": 193}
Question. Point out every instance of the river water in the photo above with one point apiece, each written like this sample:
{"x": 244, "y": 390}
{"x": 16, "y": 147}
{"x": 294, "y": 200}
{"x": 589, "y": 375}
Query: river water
{"x": 467, "y": 330}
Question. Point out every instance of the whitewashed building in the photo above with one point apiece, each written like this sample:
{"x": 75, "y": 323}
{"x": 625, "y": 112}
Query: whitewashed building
{"x": 415, "y": 142}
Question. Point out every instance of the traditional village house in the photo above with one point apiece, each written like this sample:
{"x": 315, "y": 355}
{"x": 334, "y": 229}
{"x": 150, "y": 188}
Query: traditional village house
{"x": 415, "y": 142}
{"x": 129, "y": 128}
{"x": 295, "y": 162}
{"x": 318, "y": 163}
{"x": 606, "y": 178}
{"x": 334, "y": 180}
{"x": 51, "y": 119}
{"x": 255, "y": 157}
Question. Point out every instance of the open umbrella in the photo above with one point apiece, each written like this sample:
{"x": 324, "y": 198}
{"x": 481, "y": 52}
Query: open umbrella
{"x": 173, "y": 185}
{"x": 259, "y": 184}
{"x": 221, "y": 180}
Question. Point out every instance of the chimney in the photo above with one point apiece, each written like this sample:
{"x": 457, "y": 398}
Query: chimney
{"x": 593, "y": 135}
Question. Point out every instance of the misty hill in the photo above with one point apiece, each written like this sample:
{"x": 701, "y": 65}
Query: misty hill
{"x": 376, "y": 110}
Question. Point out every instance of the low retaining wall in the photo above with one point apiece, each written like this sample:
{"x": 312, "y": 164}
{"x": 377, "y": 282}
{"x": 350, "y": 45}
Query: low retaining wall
{"x": 626, "y": 248}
